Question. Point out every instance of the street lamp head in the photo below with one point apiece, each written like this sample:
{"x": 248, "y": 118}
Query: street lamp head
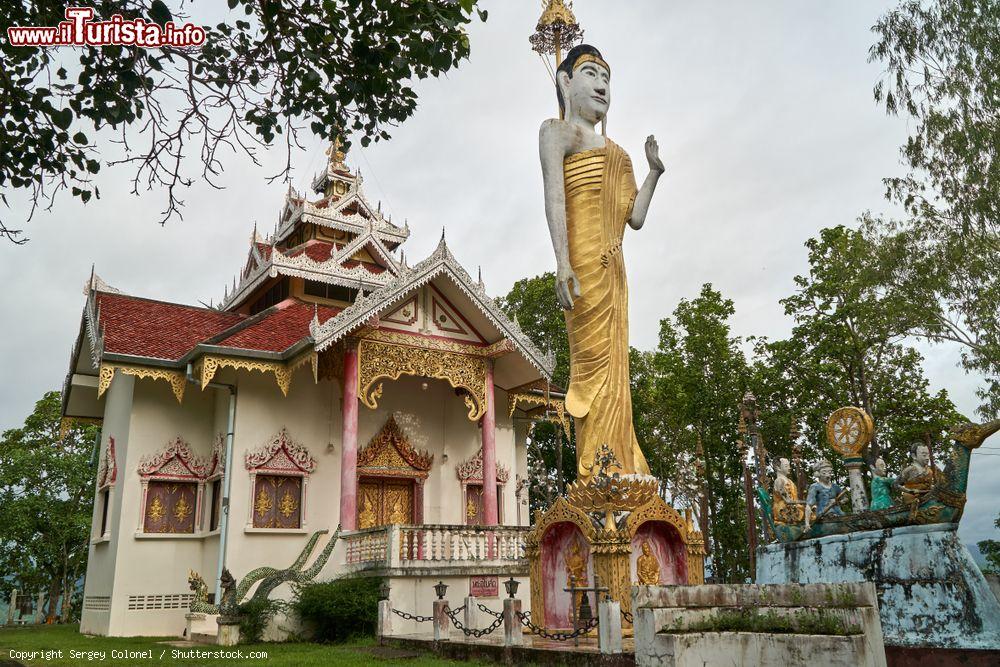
{"x": 440, "y": 588}
{"x": 511, "y": 586}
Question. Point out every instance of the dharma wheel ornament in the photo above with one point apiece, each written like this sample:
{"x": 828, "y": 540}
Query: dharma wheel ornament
{"x": 849, "y": 430}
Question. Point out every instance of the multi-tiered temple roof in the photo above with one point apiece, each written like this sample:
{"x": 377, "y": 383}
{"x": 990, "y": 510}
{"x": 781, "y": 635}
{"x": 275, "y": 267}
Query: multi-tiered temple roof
{"x": 332, "y": 268}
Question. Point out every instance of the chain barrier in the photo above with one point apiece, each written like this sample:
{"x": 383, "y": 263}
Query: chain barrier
{"x": 627, "y": 615}
{"x": 525, "y": 619}
{"x": 412, "y": 617}
{"x": 489, "y": 611}
{"x": 472, "y": 632}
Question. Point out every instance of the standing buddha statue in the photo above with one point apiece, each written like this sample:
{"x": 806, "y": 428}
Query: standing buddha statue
{"x": 590, "y": 196}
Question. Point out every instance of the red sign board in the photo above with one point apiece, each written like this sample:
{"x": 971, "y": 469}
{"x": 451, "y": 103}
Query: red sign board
{"x": 484, "y": 587}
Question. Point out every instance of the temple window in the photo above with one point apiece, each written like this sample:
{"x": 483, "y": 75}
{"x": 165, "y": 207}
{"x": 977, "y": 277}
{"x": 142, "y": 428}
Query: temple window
{"x": 213, "y": 481}
{"x": 470, "y": 474}
{"x": 332, "y": 292}
{"x": 275, "y": 294}
{"x": 172, "y": 490}
{"x": 107, "y": 474}
{"x": 277, "y": 501}
{"x": 279, "y": 474}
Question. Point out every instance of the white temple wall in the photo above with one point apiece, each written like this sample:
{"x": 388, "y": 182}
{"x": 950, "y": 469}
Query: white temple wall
{"x": 150, "y": 566}
{"x": 311, "y": 415}
{"x": 520, "y": 471}
{"x": 506, "y": 447}
{"x": 143, "y": 416}
{"x": 99, "y": 582}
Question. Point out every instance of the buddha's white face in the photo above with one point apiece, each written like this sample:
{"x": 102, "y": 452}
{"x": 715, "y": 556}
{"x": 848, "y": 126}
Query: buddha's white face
{"x": 922, "y": 455}
{"x": 587, "y": 93}
{"x": 880, "y": 467}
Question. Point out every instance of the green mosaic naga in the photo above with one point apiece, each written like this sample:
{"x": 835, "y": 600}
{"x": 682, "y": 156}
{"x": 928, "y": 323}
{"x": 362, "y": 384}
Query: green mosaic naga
{"x": 269, "y": 578}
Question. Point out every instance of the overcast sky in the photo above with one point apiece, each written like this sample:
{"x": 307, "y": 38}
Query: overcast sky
{"x": 765, "y": 120}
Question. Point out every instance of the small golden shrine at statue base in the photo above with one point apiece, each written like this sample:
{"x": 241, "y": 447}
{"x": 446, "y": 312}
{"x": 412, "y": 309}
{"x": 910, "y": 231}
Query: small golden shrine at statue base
{"x": 617, "y": 528}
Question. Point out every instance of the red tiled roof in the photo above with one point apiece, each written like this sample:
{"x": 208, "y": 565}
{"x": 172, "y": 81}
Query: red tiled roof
{"x": 147, "y": 328}
{"x": 281, "y": 329}
{"x": 265, "y": 250}
{"x": 320, "y": 251}
{"x": 317, "y": 251}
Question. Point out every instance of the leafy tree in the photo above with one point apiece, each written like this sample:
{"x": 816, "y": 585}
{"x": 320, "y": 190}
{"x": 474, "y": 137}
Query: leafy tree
{"x": 532, "y": 303}
{"x": 848, "y": 347}
{"x": 991, "y": 550}
{"x": 942, "y": 70}
{"x": 46, "y": 500}
{"x": 699, "y": 376}
{"x": 272, "y": 69}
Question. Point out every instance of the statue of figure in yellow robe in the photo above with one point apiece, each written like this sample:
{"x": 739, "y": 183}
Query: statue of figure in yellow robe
{"x": 590, "y": 196}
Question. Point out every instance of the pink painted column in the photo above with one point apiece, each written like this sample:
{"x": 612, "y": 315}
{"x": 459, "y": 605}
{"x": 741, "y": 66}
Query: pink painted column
{"x": 349, "y": 442}
{"x": 489, "y": 453}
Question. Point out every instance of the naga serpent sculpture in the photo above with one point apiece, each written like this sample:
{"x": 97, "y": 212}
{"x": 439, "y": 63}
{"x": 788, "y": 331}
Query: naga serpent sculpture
{"x": 269, "y": 578}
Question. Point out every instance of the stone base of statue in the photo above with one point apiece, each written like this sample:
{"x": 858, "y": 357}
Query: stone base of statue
{"x": 229, "y": 631}
{"x": 619, "y": 530}
{"x": 930, "y": 591}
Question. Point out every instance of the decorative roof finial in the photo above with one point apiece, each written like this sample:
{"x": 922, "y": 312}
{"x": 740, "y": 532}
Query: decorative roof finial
{"x": 481, "y": 284}
{"x": 336, "y": 155}
{"x": 315, "y": 316}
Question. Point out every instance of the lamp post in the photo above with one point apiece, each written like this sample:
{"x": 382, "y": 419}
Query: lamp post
{"x": 748, "y": 496}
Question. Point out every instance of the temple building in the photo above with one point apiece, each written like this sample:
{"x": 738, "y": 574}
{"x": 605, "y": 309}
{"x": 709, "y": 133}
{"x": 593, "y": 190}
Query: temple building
{"x": 335, "y": 384}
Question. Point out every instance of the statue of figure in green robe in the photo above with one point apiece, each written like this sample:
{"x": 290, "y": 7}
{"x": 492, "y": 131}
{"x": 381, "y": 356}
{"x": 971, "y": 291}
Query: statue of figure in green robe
{"x": 881, "y": 484}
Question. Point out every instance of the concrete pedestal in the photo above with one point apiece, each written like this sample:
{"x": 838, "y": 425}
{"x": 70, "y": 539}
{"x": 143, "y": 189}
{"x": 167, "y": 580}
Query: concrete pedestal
{"x": 512, "y": 635}
{"x": 930, "y": 591}
{"x": 384, "y": 627}
{"x": 229, "y": 632}
{"x": 609, "y": 627}
{"x": 471, "y": 619}
{"x": 191, "y": 620}
{"x": 667, "y": 618}
{"x": 442, "y": 624}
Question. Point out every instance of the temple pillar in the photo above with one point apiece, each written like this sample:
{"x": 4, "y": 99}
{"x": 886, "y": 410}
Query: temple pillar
{"x": 489, "y": 427}
{"x": 349, "y": 442}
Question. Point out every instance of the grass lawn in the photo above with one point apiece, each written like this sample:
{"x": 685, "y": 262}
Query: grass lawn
{"x": 66, "y": 638}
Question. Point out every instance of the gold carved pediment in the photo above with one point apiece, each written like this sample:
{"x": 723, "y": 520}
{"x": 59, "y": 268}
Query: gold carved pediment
{"x": 390, "y": 452}
{"x": 379, "y": 361}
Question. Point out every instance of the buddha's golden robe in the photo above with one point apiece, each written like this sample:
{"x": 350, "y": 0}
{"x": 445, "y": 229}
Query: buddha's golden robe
{"x": 600, "y": 192}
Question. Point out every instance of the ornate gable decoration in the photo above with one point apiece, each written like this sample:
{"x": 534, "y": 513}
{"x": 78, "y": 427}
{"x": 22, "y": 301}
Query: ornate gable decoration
{"x": 440, "y": 263}
{"x": 108, "y": 472}
{"x": 472, "y": 470}
{"x": 282, "y": 455}
{"x": 175, "y": 461}
{"x": 217, "y": 460}
{"x": 390, "y": 452}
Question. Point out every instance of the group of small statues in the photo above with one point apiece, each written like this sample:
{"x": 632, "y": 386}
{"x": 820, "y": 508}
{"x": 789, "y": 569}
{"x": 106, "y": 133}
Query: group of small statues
{"x": 824, "y": 495}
